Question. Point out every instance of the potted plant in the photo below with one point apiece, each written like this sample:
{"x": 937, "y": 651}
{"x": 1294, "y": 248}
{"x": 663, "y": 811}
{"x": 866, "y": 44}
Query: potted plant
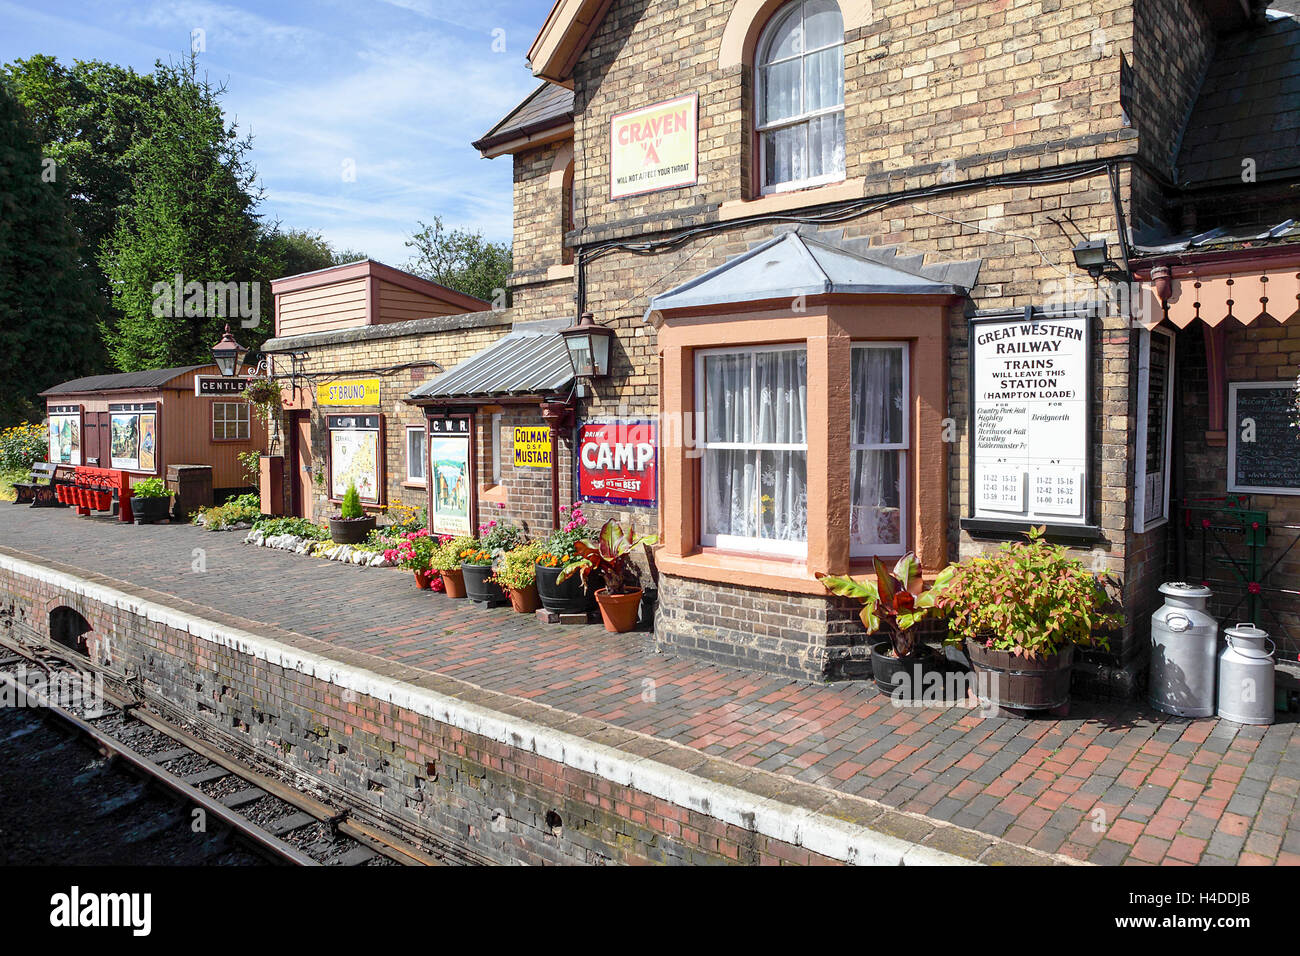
{"x": 517, "y": 573}
{"x": 1021, "y": 610}
{"x": 446, "y": 561}
{"x": 151, "y": 500}
{"x": 351, "y": 525}
{"x": 478, "y": 561}
{"x": 415, "y": 553}
{"x": 620, "y": 599}
{"x": 567, "y": 596}
{"x": 895, "y": 603}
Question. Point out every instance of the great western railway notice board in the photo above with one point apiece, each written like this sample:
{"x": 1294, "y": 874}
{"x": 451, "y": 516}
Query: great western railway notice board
{"x": 1030, "y": 425}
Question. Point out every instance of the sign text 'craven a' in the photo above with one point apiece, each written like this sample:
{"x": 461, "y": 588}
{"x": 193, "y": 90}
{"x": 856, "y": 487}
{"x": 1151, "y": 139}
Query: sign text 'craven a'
{"x": 654, "y": 147}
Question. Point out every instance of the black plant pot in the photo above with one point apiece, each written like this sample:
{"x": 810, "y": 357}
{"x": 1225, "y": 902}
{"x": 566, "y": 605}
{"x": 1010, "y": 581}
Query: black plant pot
{"x": 479, "y": 588}
{"x": 565, "y": 597}
{"x": 150, "y": 510}
{"x": 351, "y": 530}
{"x": 905, "y": 678}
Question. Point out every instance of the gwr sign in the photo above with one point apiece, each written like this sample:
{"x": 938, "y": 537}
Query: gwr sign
{"x": 618, "y": 462}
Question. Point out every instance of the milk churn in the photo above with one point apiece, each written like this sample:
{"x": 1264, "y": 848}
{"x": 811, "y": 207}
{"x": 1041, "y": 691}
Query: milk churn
{"x": 1184, "y": 641}
{"x": 1246, "y": 676}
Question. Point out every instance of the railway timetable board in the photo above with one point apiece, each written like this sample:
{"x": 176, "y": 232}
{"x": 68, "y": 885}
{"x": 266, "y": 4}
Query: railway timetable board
{"x": 1030, "y": 413}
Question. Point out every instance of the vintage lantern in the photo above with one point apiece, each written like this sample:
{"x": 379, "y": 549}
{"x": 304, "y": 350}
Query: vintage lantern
{"x": 228, "y": 353}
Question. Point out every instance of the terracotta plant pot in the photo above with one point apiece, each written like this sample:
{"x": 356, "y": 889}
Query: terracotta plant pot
{"x": 524, "y": 601}
{"x": 454, "y": 583}
{"x": 422, "y": 579}
{"x": 1019, "y": 684}
{"x": 619, "y": 611}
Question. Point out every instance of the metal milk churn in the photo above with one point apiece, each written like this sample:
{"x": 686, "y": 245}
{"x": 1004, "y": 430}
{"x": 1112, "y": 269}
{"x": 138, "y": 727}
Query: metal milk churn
{"x": 1184, "y": 642}
{"x": 1246, "y": 676}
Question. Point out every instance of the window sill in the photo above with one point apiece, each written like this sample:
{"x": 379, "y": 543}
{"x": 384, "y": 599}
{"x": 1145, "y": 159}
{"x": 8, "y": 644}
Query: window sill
{"x": 494, "y": 494}
{"x": 742, "y": 570}
{"x": 415, "y": 484}
{"x": 792, "y": 199}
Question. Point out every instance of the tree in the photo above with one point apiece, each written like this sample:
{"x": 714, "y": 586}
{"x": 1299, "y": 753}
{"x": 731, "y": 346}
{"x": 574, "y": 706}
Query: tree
{"x": 461, "y": 260}
{"x": 47, "y": 296}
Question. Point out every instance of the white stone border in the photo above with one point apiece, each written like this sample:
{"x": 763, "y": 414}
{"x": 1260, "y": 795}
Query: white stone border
{"x": 827, "y": 836}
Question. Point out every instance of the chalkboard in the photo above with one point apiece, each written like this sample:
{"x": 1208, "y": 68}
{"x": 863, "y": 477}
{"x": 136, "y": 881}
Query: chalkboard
{"x": 1263, "y": 447}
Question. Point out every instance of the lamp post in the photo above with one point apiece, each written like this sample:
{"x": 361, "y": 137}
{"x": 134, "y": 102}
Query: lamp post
{"x": 228, "y": 354}
{"x": 589, "y": 345}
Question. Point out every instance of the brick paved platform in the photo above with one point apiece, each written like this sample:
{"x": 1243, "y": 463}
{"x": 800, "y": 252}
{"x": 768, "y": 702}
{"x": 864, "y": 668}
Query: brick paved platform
{"x": 1113, "y": 784}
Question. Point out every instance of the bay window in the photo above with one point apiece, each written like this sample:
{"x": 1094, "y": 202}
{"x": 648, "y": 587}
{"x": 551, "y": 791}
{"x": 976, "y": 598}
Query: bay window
{"x": 878, "y": 442}
{"x": 800, "y": 97}
{"x": 755, "y": 449}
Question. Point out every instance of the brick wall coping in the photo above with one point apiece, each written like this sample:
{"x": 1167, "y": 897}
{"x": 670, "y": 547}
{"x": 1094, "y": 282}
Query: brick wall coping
{"x": 837, "y": 826}
{"x": 391, "y": 330}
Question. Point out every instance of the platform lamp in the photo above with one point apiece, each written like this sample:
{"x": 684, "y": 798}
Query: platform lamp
{"x": 1093, "y": 256}
{"x": 228, "y": 353}
{"x": 588, "y": 344}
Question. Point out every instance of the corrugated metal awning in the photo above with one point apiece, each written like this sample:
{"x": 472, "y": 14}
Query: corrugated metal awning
{"x": 531, "y": 360}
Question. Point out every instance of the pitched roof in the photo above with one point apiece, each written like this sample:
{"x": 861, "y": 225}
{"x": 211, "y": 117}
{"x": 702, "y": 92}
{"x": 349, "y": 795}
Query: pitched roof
{"x": 531, "y": 360}
{"x": 1248, "y": 107}
{"x": 119, "y": 381}
{"x": 793, "y": 265}
{"x": 549, "y": 106}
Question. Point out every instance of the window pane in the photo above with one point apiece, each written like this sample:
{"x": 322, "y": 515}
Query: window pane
{"x": 875, "y": 518}
{"x": 219, "y": 412}
{"x": 824, "y": 79}
{"x": 415, "y": 454}
{"x": 822, "y": 24}
{"x": 783, "y": 505}
{"x": 730, "y": 490}
{"x": 727, "y": 405}
{"x": 877, "y": 396}
{"x": 781, "y": 380}
{"x": 781, "y": 96}
{"x": 825, "y": 145}
{"x": 786, "y": 39}
{"x": 785, "y": 154}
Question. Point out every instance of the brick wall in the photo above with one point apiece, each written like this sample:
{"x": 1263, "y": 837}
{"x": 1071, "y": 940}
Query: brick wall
{"x": 524, "y": 492}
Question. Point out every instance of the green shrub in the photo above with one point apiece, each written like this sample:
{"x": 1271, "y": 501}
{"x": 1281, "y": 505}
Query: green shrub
{"x": 22, "y": 445}
{"x": 151, "y": 488}
{"x": 299, "y": 527}
{"x": 240, "y": 508}
{"x": 351, "y": 506}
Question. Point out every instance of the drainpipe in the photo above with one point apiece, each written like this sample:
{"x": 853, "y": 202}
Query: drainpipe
{"x": 555, "y": 415}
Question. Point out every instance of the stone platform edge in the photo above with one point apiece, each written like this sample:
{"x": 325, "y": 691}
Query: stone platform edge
{"x": 839, "y": 826}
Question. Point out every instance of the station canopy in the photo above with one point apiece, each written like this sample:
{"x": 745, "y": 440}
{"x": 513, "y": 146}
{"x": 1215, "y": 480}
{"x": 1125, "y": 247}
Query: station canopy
{"x": 532, "y": 360}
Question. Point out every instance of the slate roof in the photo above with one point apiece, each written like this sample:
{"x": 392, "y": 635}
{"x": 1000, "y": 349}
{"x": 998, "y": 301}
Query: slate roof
{"x": 531, "y": 360}
{"x": 118, "y": 381}
{"x": 548, "y": 105}
{"x": 795, "y": 264}
{"x": 1248, "y": 107}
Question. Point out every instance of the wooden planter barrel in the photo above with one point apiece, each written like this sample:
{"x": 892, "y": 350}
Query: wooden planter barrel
{"x": 1018, "y": 683}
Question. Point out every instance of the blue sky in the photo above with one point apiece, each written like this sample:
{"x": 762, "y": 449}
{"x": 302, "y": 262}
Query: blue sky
{"x": 398, "y": 87}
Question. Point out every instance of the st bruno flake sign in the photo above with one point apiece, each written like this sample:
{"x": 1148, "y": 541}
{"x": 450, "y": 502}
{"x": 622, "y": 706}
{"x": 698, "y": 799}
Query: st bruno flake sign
{"x": 1030, "y": 422}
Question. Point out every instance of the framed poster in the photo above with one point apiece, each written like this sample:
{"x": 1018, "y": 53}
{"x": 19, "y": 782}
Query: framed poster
{"x": 148, "y": 441}
{"x": 355, "y": 455}
{"x": 617, "y": 462}
{"x": 1155, "y": 425}
{"x": 654, "y": 147}
{"x": 450, "y": 481}
{"x": 65, "y": 435}
{"x": 1263, "y": 440}
{"x": 130, "y": 449}
{"x": 1031, "y": 423}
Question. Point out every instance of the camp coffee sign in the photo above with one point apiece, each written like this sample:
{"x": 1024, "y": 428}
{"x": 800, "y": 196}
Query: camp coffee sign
{"x": 618, "y": 462}
{"x": 654, "y": 147}
{"x": 1029, "y": 442}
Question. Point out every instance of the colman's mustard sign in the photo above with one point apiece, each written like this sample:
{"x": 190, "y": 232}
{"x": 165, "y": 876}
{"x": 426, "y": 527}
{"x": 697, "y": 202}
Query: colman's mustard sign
{"x": 533, "y": 447}
{"x": 356, "y": 391}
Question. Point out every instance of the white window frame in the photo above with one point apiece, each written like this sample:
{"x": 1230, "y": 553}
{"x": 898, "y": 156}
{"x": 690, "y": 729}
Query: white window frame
{"x": 802, "y": 119}
{"x": 728, "y": 542}
{"x": 242, "y": 421}
{"x": 1143, "y": 522}
{"x": 411, "y": 479}
{"x": 905, "y": 447}
{"x": 497, "y": 454}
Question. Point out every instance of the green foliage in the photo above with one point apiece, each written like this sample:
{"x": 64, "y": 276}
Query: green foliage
{"x": 22, "y": 446}
{"x": 48, "y": 302}
{"x": 403, "y": 519}
{"x": 608, "y": 557}
{"x": 1030, "y": 598}
{"x": 245, "y": 508}
{"x": 497, "y": 536}
{"x": 896, "y": 600}
{"x": 299, "y": 527}
{"x": 517, "y": 569}
{"x": 151, "y": 488}
{"x": 461, "y": 260}
{"x": 250, "y": 466}
{"x": 351, "y": 504}
{"x": 448, "y": 555}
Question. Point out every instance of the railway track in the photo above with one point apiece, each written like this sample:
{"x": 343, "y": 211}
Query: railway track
{"x": 274, "y": 820}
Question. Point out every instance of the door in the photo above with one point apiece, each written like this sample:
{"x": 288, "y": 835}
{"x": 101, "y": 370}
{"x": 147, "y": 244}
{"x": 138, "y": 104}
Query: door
{"x": 94, "y": 443}
{"x": 300, "y": 459}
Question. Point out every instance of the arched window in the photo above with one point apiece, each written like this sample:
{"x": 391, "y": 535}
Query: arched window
{"x": 800, "y": 96}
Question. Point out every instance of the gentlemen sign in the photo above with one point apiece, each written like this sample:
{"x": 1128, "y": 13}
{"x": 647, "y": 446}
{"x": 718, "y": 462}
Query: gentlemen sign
{"x": 357, "y": 391}
{"x": 655, "y": 147}
{"x": 618, "y": 462}
{"x": 1029, "y": 447}
{"x": 218, "y": 386}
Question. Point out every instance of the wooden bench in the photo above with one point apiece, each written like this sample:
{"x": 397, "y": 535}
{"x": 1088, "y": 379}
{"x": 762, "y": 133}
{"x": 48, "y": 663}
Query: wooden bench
{"x": 96, "y": 489}
{"x": 36, "y": 494}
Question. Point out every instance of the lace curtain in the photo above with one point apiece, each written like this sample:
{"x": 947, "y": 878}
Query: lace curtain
{"x": 878, "y": 439}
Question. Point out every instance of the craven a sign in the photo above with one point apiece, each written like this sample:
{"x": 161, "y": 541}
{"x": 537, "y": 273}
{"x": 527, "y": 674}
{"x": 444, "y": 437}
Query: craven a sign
{"x": 618, "y": 462}
{"x": 654, "y": 147}
{"x": 1029, "y": 419}
{"x": 356, "y": 391}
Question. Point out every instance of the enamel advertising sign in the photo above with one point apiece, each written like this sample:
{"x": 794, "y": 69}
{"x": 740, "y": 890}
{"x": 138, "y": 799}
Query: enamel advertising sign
{"x": 618, "y": 462}
{"x": 654, "y": 147}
